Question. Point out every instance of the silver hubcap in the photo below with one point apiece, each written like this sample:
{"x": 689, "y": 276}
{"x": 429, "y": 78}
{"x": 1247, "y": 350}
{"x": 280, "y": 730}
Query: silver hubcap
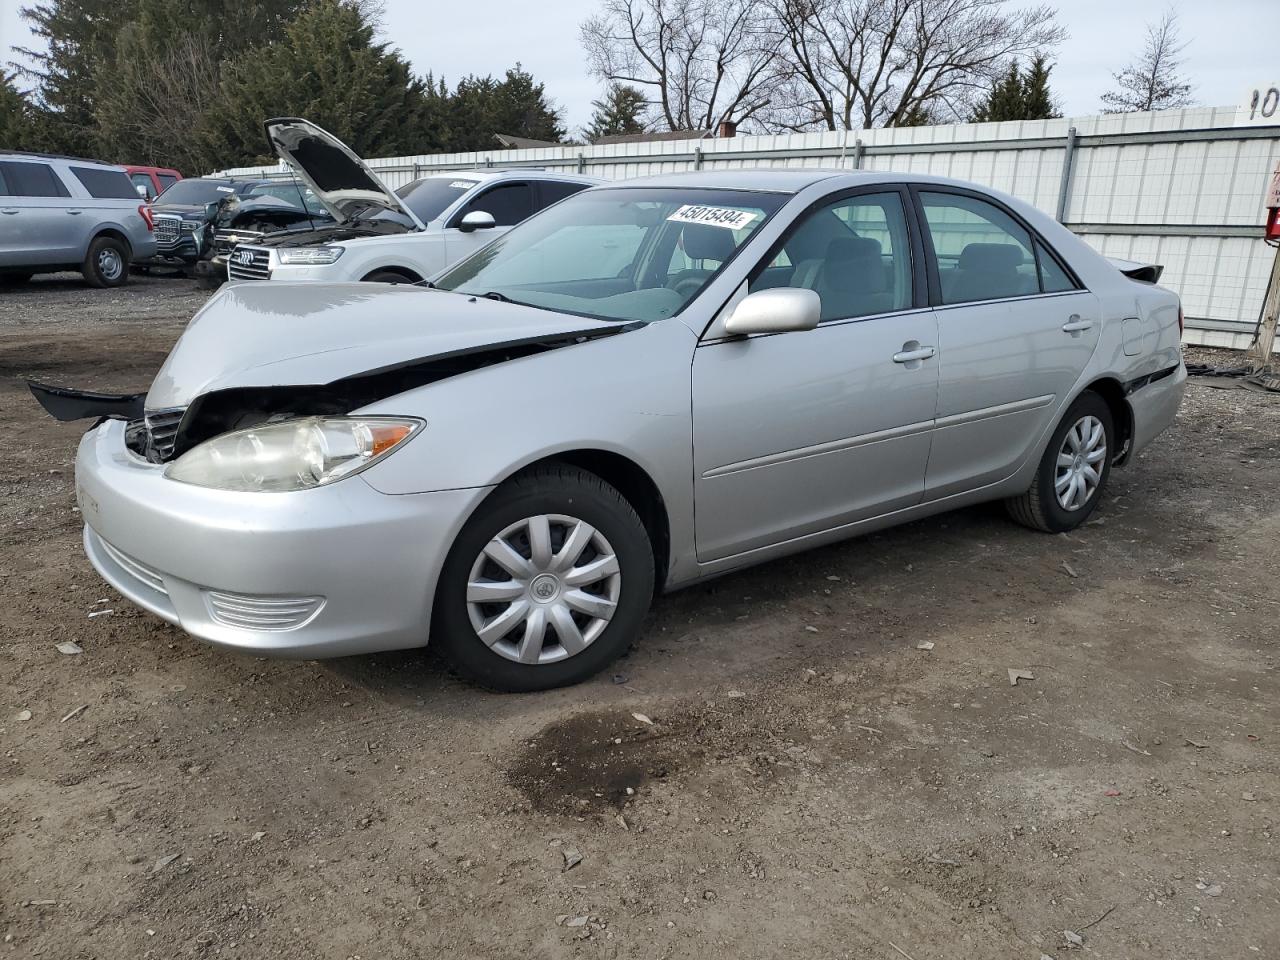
{"x": 1080, "y": 463}
{"x": 110, "y": 264}
{"x": 543, "y": 589}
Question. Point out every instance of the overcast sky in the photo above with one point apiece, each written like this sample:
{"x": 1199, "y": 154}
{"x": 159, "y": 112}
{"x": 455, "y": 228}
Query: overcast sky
{"x": 1231, "y": 44}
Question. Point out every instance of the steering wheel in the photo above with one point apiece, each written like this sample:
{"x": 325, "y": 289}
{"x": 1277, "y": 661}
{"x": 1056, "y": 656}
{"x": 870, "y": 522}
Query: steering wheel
{"x": 688, "y": 286}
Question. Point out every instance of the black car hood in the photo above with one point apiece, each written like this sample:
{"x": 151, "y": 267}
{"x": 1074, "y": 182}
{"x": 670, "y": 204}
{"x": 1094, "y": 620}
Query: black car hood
{"x": 334, "y": 233}
{"x": 187, "y": 211}
{"x": 267, "y": 212}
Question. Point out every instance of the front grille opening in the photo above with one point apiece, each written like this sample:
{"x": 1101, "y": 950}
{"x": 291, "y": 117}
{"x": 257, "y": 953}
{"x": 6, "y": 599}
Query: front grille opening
{"x": 249, "y": 263}
{"x": 153, "y": 437}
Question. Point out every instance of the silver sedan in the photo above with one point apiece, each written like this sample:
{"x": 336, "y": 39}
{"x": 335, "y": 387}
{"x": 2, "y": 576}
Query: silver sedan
{"x": 647, "y": 385}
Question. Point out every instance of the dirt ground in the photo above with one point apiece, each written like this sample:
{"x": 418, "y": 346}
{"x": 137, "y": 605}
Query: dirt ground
{"x": 813, "y": 784}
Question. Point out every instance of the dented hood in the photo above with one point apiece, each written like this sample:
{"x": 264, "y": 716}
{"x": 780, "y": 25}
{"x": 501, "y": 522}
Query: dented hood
{"x": 281, "y": 334}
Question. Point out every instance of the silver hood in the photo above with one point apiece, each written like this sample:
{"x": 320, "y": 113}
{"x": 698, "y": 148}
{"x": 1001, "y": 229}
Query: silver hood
{"x": 282, "y": 334}
{"x": 339, "y": 178}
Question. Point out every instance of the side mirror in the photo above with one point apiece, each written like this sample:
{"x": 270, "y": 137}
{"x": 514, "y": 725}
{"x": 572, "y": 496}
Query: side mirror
{"x": 477, "y": 220}
{"x": 142, "y": 191}
{"x": 779, "y": 310}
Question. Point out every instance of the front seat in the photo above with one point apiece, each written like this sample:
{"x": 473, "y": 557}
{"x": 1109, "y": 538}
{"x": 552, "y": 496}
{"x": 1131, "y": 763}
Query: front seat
{"x": 852, "y": 281}
{"x": 702, "y": 243}
{"x": 986, "y": 271}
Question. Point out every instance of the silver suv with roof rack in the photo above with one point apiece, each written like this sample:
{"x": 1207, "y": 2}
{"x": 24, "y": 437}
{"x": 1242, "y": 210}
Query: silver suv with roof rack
{"x": 65, "y": 213}
{"x": 390, "y": 236}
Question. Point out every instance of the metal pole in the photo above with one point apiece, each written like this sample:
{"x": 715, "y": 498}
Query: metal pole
{"x": 697, "y": 158}
{"x": 1262, "y": 350}
{"x": 1068, "y": 162}
{"x": 582, "y": 163}
{"x": 858, "y": 151}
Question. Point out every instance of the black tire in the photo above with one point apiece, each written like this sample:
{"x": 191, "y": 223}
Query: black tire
{"x": 554, "y": 489}
{"x": 388, "y": 276}
{"x": 1039, "y": 508}
{"x": 98, "y": 263}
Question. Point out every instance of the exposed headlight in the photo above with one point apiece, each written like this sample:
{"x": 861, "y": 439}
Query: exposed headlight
{"x": 310, "y": 255}
{"x": 292, "y": 454}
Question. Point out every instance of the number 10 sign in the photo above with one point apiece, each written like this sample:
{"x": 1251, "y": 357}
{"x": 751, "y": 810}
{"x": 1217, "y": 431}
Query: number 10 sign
{"x": 1261, "y": 106}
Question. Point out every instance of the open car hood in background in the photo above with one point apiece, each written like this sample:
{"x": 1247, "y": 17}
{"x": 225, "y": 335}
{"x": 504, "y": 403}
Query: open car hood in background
{"x": 341, "y": 180}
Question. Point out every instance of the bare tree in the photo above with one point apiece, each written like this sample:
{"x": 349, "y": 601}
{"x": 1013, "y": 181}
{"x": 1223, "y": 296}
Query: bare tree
{"x": 155, "y": 110}
{"x": 700, "y": 62}
{"x": 865, "y": 63}
{"x": 1154, "y": 81}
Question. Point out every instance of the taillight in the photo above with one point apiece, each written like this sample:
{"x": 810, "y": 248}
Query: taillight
{"x": 145, "y": 213}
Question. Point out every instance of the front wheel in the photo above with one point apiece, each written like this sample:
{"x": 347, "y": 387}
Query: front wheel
{"x": 107, "y": 263}
{"x": 546, "y": 584}
{"x": 388, "y": 276}
{"x": 1073, "y": 471}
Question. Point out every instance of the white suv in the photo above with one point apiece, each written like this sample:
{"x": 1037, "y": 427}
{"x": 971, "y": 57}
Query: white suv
{"x": 386, "y": 236}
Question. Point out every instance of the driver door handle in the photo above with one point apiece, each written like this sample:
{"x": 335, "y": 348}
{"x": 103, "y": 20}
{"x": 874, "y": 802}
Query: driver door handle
{"x": 74, "y": 212}
{"x": 919, "y": 353}
{"x": 9, "y": 210}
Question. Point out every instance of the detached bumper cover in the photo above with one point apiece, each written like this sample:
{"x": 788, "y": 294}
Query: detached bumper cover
{"x": 326, "y": 572}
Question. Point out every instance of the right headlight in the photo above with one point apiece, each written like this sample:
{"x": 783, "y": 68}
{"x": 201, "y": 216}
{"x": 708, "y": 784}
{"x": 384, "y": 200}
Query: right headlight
{"x": 313, "y": 256}
{"x": 292, "y": 454}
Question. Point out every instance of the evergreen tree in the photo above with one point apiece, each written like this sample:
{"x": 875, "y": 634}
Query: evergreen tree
{"x": 620, "y": 111}
{"x": 516, "y": 105}
{"x": 1019, "y": 96}
{"x": 77, "y": 37}
{"x": 15, "y": 116}
{"x": 329, "y": 69}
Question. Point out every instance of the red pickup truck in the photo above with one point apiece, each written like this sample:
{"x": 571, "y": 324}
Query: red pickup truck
{"x": 152, "y": 181}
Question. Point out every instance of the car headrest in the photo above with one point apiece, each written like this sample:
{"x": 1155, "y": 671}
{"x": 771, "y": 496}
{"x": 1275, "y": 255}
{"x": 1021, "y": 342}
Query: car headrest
{"x": 853, "y": 263}
{"x": 703, "y": 242}
{"x": 991, "y": 257}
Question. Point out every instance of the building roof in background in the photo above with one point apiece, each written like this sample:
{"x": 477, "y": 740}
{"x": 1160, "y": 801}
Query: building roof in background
{"x": 523, "y": 143}
{"x": 654, "y": 137}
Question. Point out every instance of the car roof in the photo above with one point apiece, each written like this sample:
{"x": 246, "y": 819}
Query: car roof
{"x": 512, "y": 173}
{"x": 29, "y": 155}
{"x": 779, "y": 179}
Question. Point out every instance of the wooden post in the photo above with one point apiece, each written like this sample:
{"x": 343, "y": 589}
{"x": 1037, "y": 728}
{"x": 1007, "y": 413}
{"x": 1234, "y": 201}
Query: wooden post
{"x": 1261, "y": 352}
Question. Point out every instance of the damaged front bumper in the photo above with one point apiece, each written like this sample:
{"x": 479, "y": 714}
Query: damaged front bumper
{"x": 326, "y": 572}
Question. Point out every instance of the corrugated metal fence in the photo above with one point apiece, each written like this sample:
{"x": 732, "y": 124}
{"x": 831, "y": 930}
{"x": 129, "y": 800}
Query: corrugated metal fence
{"x": 1182, "y": 188}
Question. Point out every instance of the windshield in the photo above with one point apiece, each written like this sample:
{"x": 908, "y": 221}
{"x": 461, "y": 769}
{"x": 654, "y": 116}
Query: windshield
{"x": 289, "y": 193}
{"x": 430, "y": 197}
{"x": 617, "y": 254}
{"x": 197, "y": 192}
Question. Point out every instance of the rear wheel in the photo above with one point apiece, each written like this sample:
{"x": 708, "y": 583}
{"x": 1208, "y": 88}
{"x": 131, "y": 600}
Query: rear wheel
{"x": 107, "y": 263}
{"x": 1073, "y": 471}
{"x": 546, "y": 585}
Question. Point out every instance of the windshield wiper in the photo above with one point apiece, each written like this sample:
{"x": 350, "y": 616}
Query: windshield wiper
{"x": 495, "y": 295}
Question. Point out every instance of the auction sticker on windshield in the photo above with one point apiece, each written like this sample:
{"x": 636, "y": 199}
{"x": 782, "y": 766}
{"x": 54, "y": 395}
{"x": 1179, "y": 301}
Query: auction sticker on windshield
{"x": 726, "y": 217}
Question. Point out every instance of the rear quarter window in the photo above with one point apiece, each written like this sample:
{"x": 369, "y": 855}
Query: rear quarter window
{"x": 106, "y": 184}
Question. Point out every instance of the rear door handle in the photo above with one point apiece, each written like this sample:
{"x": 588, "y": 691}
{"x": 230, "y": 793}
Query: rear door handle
{"x": 74, "y": 212}
{"x": 1075, "y": 325}
{"x": 919, "y": 353}
{"x": 9, "y": 210}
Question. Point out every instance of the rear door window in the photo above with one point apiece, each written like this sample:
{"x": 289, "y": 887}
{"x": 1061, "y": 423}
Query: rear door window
{"x": 507, "y": 203}
{"x": 982, "y": 253}
{"x": 25, "y": 179}
{"x": 106, "y": 184}
{"x": 167, "y": 180}
{"x": 1053, "y": 279}
{"x": 553, "y": 191}
{"x": 144, "y": 181}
